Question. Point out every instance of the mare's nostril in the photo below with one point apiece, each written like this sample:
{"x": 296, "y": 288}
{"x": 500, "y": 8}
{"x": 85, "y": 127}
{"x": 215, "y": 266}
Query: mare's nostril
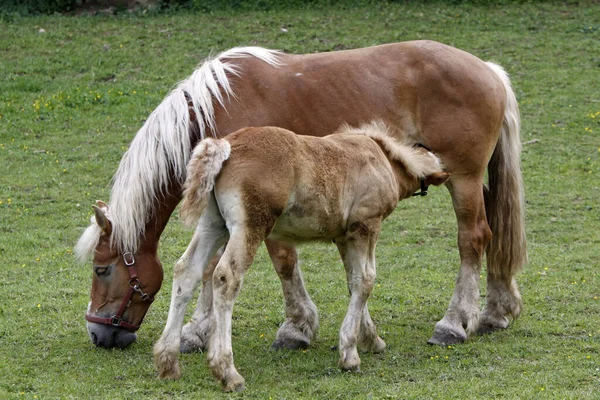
{"x": 94, "y": 339}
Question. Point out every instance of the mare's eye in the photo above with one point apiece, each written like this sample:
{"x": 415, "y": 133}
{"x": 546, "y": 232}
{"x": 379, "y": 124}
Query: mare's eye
{"x": 102, "y": 271}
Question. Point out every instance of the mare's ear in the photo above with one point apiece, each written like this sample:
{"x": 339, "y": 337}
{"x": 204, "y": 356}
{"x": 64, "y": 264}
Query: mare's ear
{"x": 102, "y": 205}
{"x": 102, "y": 220}
{"x": 437, "y": 178}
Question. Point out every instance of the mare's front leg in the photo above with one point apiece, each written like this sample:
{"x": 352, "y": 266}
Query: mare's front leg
{"x": 301, "y": 324}
{"x": 227, "y": 282}
{"x": 195, "y": 334}
{"x": 462, "y": 316}
{"x": 210, "y": 234}
{"x": 358, "y": 253}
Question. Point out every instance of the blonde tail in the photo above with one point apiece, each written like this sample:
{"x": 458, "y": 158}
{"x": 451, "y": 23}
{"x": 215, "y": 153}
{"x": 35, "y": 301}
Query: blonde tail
{"x": 505, "y": 204}
{"x": 202, "y": 171}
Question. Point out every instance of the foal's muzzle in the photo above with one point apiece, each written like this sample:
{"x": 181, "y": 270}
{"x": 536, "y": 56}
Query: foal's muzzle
{"x": 107, "y": 336}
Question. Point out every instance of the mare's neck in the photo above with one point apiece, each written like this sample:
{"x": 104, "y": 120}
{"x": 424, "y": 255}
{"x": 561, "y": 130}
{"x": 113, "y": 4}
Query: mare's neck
{"x": 157, "y": 223}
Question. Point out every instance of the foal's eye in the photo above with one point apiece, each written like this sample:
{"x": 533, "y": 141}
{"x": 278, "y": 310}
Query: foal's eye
{"x": 102, "y": 271}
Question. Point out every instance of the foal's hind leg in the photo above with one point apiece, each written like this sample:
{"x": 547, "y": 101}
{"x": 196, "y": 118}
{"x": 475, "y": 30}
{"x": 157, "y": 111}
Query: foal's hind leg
{"x": 301, "y": 324}
{"x": 195, "y": 334}
{"x": 208, "y": 237}
{"x": 461, "y": 318}
{"x": 227, "y": 282}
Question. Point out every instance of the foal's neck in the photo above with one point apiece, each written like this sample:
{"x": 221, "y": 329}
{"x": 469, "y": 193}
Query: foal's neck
{"x": 405, "y": 183}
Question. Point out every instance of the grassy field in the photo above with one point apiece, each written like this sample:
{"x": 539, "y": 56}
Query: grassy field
{"x": 74, "y": 91}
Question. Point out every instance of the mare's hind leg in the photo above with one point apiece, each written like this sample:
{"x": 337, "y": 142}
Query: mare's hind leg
{"x": 461, "y": 318}
{"x": 301, "y": 324}
{"x": 194, "y": 336}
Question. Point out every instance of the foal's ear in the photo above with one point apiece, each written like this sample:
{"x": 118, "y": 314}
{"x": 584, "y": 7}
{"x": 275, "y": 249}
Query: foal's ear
{"x": 102, "y": 220}
{"x": 437, "y": 178}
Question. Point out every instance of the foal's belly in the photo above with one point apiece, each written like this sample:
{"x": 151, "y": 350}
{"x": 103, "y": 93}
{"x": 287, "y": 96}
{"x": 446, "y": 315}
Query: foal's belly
{"x": 299, "y": 224}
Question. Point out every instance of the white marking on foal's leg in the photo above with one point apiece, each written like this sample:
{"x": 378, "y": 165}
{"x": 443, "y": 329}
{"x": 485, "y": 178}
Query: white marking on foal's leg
{"x": 209, "y": 236}
{"x": 227, "y": 282}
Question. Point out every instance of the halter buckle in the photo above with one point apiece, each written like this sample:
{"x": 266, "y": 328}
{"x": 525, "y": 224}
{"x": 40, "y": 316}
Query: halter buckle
{"x": 115, "y": 321}
{"x": 128, "y": 259}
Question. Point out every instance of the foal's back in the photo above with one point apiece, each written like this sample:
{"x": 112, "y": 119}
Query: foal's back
{"x": 305, "y": 188}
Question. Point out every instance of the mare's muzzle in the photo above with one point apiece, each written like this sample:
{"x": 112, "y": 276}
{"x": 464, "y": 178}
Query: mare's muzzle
{"x": 107, "y": 336}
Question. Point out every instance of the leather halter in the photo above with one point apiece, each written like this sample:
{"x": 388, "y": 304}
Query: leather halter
{"x": 424, "y": 187}
{"x": 134, "y": 286}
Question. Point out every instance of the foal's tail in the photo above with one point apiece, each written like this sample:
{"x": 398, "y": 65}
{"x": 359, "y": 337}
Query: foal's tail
{"x": 202, "y": 170}
{"x": 504, "y": 201}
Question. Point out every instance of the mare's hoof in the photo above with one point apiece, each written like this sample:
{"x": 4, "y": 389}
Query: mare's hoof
{"x": 290, "y": 344}
{"x": 447, "y": 338}
{"x": 485, "y": 329}
{"x": 488, "y": 324}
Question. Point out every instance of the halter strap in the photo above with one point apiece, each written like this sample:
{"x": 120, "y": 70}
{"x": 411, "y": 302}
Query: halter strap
{"x": 424, "y": 187}
{"x": 134, "y": 286}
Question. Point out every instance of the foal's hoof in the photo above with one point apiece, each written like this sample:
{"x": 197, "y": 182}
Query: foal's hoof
{"x": 172, "y": 373}
{"x": 234, "y": 383}
{"x": 290, "y": 344}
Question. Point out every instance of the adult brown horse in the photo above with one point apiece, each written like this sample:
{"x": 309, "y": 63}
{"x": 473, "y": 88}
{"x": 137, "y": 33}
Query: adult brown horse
{"x": 449, "y": 101}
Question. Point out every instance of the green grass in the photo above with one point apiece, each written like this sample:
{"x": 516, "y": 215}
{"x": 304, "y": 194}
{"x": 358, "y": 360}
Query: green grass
{"x": 72, "y": 98}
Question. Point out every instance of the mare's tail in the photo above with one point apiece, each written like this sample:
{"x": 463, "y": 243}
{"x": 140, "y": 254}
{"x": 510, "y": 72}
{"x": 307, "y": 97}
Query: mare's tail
{"x": 202, "y": 171}
{"x": 504, "y": 201}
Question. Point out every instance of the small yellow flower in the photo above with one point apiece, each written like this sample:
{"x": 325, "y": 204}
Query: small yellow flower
{"x": 39, "y": 305}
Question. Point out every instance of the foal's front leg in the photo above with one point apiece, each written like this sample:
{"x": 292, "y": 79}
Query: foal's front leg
{"x": 358, "y": 253}
{"x": 301, "y": 323}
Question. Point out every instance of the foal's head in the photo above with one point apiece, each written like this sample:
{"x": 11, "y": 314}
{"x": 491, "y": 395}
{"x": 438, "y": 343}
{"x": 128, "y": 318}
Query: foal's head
{"x": 123, "y": 284}
{"x": 418, "y": 167}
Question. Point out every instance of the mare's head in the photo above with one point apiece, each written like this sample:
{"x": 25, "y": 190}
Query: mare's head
{"x": 123, "y": 283}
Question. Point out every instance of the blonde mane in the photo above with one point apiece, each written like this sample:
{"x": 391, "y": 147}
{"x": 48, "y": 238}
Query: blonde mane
{"x": 417, "y": 161}
{"x": 162, "y": 147}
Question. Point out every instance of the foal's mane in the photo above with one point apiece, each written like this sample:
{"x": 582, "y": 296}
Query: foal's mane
{"x": 161, "y": 149}
{"x": 417, "y": 162}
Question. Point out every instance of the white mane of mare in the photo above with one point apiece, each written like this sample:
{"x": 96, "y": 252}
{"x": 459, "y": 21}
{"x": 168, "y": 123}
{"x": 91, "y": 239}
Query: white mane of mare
{"x": 163, "y": 146}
